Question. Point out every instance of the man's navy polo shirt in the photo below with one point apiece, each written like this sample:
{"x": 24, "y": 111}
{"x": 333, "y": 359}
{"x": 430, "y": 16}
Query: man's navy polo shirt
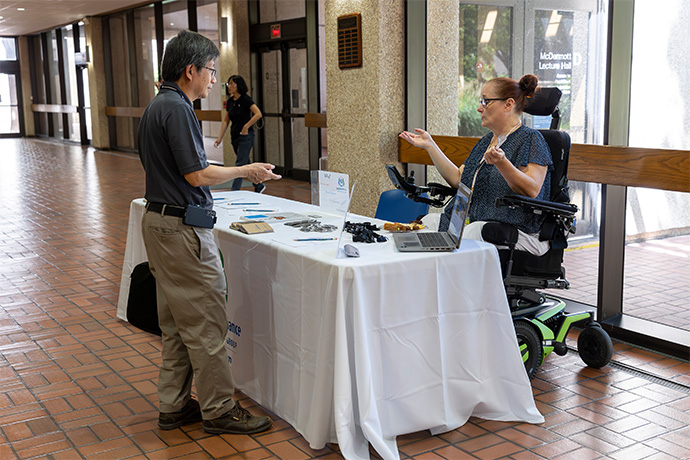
{"x": 171, "y": 145}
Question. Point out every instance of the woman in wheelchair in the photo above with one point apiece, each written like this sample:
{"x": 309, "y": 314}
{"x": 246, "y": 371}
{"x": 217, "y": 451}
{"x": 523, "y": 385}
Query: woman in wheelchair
{"x": 512, "y": 158}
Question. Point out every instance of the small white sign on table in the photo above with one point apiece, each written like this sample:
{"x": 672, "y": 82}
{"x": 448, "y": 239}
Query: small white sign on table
{"x": 330, "y": 191}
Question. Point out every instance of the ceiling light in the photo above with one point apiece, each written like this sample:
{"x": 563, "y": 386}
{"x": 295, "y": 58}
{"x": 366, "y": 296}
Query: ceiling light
{"x": 554, "y": 22}
{"x": 21, "y": 9}
{"x": 488, "y": 26}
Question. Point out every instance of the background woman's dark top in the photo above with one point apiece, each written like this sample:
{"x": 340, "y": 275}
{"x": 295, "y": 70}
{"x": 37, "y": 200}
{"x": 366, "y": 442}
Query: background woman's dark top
{"x": 239, "y": 114}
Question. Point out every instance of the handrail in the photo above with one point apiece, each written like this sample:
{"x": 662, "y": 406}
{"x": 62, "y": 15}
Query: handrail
{"x": 315, "y": 120}
{"x": 132, "y": 112}
{"x": 136, "y": 112}
{"x": 54, "y": 108}
{"x": 209, "y": 115}
{"x": 663, "y": 169}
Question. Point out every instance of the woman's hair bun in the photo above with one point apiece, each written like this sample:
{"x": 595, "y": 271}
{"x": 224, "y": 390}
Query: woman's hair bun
{"x": 528, "y": 84}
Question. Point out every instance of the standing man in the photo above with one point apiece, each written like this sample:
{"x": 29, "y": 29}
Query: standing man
{"x": 183, "y": 256}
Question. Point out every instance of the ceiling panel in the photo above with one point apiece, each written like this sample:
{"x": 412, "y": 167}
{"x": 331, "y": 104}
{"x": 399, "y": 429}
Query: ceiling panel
{"x": 41, "y": 15}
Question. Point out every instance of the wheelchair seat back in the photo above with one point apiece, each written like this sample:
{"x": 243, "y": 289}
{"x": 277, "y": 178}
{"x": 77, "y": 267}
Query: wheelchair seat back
{"x": 547, "y": 266}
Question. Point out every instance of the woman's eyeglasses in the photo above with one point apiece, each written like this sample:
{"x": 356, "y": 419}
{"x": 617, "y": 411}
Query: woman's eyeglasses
{"x": 485, "y": 101}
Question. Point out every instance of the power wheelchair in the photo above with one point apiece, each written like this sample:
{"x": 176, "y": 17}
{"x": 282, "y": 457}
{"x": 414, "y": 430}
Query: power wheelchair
{"x": 541, "y": 321}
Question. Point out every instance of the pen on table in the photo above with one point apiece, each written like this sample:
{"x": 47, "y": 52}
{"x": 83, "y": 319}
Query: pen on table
{"x": 259, "y": 210}
{"x": 315, "y": 239}
{"x": 219, "y": 199}
{"x": 244, "y": 204}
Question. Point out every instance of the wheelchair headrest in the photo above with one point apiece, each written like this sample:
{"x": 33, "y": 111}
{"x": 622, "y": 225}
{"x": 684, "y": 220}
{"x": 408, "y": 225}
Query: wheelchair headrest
{"x": 544, "y": 102}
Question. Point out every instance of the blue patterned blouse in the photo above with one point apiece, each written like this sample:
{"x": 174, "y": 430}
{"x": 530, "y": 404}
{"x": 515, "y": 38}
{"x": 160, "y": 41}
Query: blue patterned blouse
{"x": 525, "y": 145}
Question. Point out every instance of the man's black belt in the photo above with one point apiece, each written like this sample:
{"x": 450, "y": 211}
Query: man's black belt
{"x": 166, "y": 209}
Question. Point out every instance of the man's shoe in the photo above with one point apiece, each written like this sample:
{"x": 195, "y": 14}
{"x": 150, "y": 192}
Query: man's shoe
{"x": 237, "y": 421}
{"x": 259, "y": 188}
{"x": 190, "y": 413}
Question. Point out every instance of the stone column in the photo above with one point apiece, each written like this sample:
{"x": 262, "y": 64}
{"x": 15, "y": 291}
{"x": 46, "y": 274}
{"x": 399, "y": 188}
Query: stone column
{"x": 443, "y": 68}
{"x": 365, "y": 105}
{"x": 93, "y": 30}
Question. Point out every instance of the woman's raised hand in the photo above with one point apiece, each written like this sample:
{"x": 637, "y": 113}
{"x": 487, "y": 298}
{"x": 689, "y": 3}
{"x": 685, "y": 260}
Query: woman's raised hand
{"x": 422, "y": 139}
{"x": 494, "y": 155}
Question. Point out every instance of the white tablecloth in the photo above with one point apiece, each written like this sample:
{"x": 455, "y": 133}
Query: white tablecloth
{"x": 359, "y": 351}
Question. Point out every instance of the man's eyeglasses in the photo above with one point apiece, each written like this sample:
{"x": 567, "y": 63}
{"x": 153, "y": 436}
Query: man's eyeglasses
{"x": 213, "y": 71}
{"x": 485, "y": 101}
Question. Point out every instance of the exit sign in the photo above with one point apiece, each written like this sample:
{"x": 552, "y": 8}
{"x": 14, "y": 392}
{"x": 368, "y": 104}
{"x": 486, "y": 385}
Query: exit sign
{"x": 275, "y": 31}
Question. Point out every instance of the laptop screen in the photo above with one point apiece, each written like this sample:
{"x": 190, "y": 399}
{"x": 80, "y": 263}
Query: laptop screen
{"x": 459, "y": 215}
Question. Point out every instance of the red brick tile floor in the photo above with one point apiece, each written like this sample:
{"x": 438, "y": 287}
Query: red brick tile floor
{"x": 656, "y": 281}
{"x": 76, "y": 382}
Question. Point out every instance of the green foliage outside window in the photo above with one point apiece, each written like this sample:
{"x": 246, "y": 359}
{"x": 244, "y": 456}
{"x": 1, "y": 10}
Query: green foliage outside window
{"x": 469, "y": 120}
{"x": 494, "y": 59}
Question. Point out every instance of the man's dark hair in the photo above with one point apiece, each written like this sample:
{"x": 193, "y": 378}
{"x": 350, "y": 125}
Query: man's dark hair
{"x": 186, "y": 48}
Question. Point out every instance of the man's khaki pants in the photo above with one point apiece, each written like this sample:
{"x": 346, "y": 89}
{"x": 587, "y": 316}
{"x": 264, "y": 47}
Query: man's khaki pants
{"x": 191, "y": 289}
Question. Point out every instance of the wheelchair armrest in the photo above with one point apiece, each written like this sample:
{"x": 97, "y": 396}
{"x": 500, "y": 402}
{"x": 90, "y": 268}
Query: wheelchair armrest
{"x": 438, "y": 194}
{"x": 443, "y": 191}
{"x": 559, "y": 217}
{"x": 538, "y": 206}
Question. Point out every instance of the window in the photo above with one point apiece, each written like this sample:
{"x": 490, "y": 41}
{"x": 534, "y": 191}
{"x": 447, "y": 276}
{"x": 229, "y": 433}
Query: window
{"x": 54, "y": 82}
{"x": 657, "y": 252}
{"x": 9, "y": 77}
{"x": 207, "y": 25}
{"x": 122, "y": 85}
{"x": 8, "y": 49}
{"x": 486, "y": 51}
{"x": 70, "y": 85}
{"x": 9, "y": 106}
{"x": 175, "y": 18}
{"x": 281, "y": 10}
{"x": 147, "y": 53}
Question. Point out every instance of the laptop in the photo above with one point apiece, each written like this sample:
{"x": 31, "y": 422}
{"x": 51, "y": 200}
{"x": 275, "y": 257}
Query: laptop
{"x": 439, "y": 241}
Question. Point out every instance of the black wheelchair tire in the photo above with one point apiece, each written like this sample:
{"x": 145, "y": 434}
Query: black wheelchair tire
{"x": 526, "y": 335}
{"x": 594, "y": 346}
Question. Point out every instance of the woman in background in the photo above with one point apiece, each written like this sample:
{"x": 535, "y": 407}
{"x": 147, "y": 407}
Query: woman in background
{"x": 242, "y": 113}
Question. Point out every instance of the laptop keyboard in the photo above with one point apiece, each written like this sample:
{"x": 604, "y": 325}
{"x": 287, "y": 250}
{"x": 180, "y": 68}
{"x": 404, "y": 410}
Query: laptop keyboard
{"x": 431, "y": 239}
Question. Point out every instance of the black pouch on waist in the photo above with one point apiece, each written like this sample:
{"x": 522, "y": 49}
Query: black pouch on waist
{"x": 196, "y": 216}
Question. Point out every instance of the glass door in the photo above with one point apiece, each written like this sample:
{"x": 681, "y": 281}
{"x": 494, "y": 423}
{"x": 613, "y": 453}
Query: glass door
{"x": 9, "y": 106}
{"x": 11, "y": 122}
{"x": 284, "y": 101}
{"x": 487, "y": 50}
{"x": 569, "y": 52}
{"x": 272, "y": 107}
{"x": 563, "y": 43}
{"x": 284, "y": 72}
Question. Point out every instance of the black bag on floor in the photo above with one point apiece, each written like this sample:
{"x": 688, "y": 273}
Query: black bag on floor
{"x": 142, "y": 308}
